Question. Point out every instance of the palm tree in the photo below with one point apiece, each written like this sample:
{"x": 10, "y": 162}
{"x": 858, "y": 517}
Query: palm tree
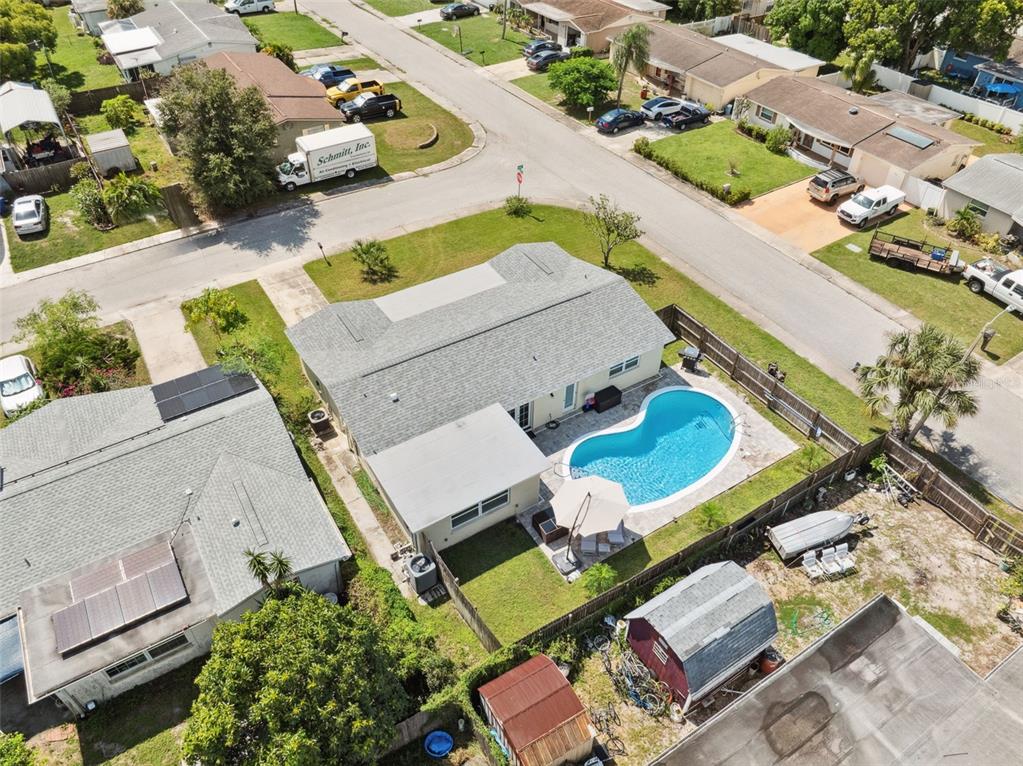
{"x": 859, "y": 70}
{"x": 631, "y": 49}
{"x": 280, "y": 567}
{"x": 259, "y": 566}
{"x": 928, "y": 370}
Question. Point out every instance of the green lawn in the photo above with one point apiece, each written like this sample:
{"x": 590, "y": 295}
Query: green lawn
{"x": 469, "y": 241}
{"x": 481, "y": 35}
{"x": 991, "y": 142}
{"x": 538, "y": 85}
{"x": 402, "y": 7}
{"x": 943, "y": 301}
{"x": 74, "y": 60}
{"x": 398, "y": 139}
{"x": 147, "y": 145}
{"x": 297, "y": 31}
{"x": 69, "y": 236}
{"x": 706, "y": 151}
{"x": 358, "y": 63}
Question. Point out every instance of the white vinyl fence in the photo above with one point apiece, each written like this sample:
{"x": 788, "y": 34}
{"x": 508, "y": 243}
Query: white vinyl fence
{"x": 921, "y": 193}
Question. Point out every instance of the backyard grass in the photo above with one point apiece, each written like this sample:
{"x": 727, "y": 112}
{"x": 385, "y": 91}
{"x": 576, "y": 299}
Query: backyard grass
{"x": 402, "y": 7}
{"x": 943, "y": 301}
{"x": 147, "y": 145}
{"x": 480, "y": 39}
{"x": 705, "y": 154}
{"x": 297, "y": 31}
{"x": 453, "y": 246}
{"x": 68, "y": 236}
{"x": 991, "y": 142}
{"x": 73, "y": 61}
{"x": 539, "y": 85}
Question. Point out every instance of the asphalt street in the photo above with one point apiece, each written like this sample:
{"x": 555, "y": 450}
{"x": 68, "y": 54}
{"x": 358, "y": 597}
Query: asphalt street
{"x": 805, "y": 309}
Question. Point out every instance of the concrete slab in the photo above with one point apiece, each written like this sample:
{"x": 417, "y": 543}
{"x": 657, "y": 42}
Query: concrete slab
{"x": 293, "y": 294}
{"x": 420, "y": 17}
{"x": 168, "y": 349}
{"x": 791, "y": 214}
{"x": 509, "y": 70}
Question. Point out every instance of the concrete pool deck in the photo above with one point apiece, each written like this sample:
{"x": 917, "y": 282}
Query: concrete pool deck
{"x": 760, "y": 445}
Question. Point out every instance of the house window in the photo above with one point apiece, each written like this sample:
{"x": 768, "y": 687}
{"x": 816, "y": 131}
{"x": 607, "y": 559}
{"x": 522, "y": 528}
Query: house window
{"x": 618, "y": 369}
{"x": 125, "y": 665}
{"x": 493, "y": 503}
{"x": 978, "y": 207}
{"x": 569, "y": 402}
{"x": 472, "y": 513}
{"x": 765, "y": 114}
{"x": 153, "y": 653}
{"x": 168, "y": 646}
{"x": 659, "y": 652}
{"x": 464, "y": 517}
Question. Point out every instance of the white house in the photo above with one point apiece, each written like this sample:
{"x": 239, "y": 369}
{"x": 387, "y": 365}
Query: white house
{"x": 439, "y": 385}
{"x": 588, "y": 22}
{"x": 992, "y": 187}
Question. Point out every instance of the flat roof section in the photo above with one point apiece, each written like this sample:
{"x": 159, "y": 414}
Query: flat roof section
{"x": 438, "y": 292}
{"x": 786, "y": 58}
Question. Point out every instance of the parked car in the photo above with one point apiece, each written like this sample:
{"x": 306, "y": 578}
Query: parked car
{"x": 870, "y": 204}
{"x": 617, "y": 119}
{"x": 351, "y": 88}
{"x": 686, "y": 115}
{"x": 242, "y": 7}
{"x": 368, "y": 106}
{"x": 19, "y": 384}
{"x": 1000, "y": 282}
{"x": 459, "y": 11}
{"x": 539, "y": 46}
{"x": 661, "y": 106}
{"x": 329, "y": 74}
{"x": 542, "y": 61}
{"x": 829, "y": 185}
{"x": 30, "y": 215}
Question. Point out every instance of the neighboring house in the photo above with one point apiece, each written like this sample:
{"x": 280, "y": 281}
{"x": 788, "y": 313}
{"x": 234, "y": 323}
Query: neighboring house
{"x": 298, "y": 105}
{"x": 124, "y": 521}
{"x": 992, "y": 187}
{"x": 536, "y": 715}
{"x": 716, "y": 70}
{"x": 836, "y": 127}
{"x": 883, "y": 687}
{"x": 437, "y": 385}
{"x": 86, "y": 15}
{"x": 1001, "y": 81}
{"x": 173, "y": 33}
{"x": 587, "y": 22}
{"x": 703, "y": 630}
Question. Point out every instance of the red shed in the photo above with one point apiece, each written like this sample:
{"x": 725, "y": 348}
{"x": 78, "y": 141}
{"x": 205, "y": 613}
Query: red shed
{"x": 537, "y": 716}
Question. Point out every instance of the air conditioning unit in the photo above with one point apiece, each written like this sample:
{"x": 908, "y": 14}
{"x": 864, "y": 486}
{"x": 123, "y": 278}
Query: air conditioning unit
{"x": 320, "y": 422}
{"x": 422, "y": 573}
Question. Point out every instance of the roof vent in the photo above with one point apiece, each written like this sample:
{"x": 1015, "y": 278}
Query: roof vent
{"x": 235, "y": 522}
{"x": 853, "y": 110}
{"x": 394, "y": 397}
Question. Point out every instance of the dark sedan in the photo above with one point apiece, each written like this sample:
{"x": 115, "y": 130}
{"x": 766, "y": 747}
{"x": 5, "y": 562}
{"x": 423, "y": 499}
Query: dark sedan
{"x": 617, "y": 119}
{"x": 328, "y": 74}
{"x": 539, "y": 46}
{"x": 459, "y": 11}
{"x": 367, "y": 106}
{"x": 687, "y": 114}
{"x": 542, "y": 61}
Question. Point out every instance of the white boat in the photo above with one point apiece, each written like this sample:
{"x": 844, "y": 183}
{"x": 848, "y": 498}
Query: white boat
{"x": 811, "y": 531}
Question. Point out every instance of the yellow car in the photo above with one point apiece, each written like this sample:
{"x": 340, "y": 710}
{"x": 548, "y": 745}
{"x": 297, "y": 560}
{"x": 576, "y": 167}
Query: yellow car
{"x": 349, "y": 89}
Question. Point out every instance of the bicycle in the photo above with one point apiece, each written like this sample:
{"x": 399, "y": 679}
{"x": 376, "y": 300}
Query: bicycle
{"x": 605, "y": 719}
{"x": 614, "y": 746}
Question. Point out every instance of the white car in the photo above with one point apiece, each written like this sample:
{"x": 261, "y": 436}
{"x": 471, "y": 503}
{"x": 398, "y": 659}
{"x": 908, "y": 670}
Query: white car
{"x": 30, "y": 214}
{"x": 661, "y": 106}
{"x": 19, "y": 386}
{"x": 248, "y": 6}
{"x": 870, "y": 205}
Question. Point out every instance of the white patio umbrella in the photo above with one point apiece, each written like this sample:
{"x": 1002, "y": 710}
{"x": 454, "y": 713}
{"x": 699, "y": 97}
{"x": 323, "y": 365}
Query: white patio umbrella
{"x": 589, "y": 505}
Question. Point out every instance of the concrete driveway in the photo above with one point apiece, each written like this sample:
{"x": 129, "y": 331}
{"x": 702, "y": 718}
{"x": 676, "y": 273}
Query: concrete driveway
{"x": 791, "y": 214}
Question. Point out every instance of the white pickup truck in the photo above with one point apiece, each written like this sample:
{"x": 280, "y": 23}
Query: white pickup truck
{"x": 870, "y": 204}
{"x": 1003, "y": 284}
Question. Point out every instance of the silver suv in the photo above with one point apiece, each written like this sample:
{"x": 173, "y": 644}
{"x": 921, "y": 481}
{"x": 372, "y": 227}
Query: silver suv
{"x": 829, "y": 185}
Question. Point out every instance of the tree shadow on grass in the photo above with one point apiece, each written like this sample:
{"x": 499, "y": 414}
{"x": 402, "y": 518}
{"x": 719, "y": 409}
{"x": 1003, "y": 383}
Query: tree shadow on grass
{"x": 640, "y": 275}
{"x": 70, "y": 79}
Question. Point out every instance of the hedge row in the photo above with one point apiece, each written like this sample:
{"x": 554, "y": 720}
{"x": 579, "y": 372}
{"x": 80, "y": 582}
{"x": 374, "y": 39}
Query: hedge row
{"x": 733, "y": 196}
{"x": 997, "y": 127}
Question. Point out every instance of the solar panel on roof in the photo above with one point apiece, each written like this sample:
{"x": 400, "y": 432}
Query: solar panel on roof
{"x": 911, "y": 137}
{"x": 104, "y": 610}
{"x": 199, "y": 390}
{"x": 98, "y": 579}
{"x": 71, "y": 626}
{"x": 166, "y": 584}
{"x": 136, "y": 598}
{"x": 142, "y": 561}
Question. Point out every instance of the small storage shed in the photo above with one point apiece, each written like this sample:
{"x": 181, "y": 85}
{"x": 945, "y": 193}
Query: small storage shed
{"x": 703, "y": 630}
{"x": 811, "y": 531}
{"x": 536, "y": 716}
{"x": 111, "y": 152}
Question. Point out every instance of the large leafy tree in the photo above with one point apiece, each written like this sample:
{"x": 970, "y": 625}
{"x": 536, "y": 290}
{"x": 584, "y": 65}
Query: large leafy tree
{"x": 299, "y": 681}
{"x": 227, "y": 135}
{"x": 583, "y": 82}
{"x": 811, "y": 26}
{"x": 698, "y": 10}
{"x": 122, "y": 9}
{"x": 631, "y": 50}
{"x": 23, "y": 24}
{"x": 859, "y": 70}
{"x": 928, "y": 372}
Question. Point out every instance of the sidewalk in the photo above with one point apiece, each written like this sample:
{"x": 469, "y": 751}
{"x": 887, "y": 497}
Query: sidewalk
{"x": 168, "y": 349}
{"x": 293, "y": 293}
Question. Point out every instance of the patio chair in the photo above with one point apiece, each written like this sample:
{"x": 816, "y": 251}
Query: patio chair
{"x": 589, "y": 545}
{"x": 829, "y": 563}
{"x": 811, "y": 566}
{"x": 845, "y": 558}
{"x": 617, "y": 535}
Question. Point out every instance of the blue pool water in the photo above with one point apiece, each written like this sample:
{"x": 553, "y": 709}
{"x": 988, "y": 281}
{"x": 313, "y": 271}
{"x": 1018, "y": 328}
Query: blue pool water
{"x": 682, "y": 437}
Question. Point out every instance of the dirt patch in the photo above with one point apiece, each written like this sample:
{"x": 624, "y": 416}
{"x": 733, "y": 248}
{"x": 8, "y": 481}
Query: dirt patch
{"x": 405, "y": 135}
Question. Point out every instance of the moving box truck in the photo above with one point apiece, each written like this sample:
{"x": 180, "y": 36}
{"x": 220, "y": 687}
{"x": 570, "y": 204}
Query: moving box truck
{"x": 340, "y": 151}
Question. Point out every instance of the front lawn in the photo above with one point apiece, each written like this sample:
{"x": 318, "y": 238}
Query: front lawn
{"x": 705, "y": 154}
{"x": 401, "y": 7}
{"x": 398, "y": 139}
{"x": 991, "y": 142}
{"x": 357, "y": 64}
{"x": 943, "y": 301}
{"x": 297, "y": 31}
{"x": 69, "y": 236}
{"x": 539, "y": 85}
{"x": 74, "y": 62}
{"x": 453, "y": 246}
{"x": 480, "y": 40}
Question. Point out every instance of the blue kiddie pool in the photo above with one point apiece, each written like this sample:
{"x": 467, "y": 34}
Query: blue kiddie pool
{"x": 438, "y": 744}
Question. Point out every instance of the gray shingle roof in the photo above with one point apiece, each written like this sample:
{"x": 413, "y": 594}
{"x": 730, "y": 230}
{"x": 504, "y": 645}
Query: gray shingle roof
{"x": 186, "y": 24}
{"x": 87, "y": 476}
{"x": 996, "y": 180}
{"x": 526, "y": 323}
{"x": 716, "y": 617}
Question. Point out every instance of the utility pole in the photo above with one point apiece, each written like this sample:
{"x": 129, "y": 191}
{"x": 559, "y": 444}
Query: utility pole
{"x": 504, "y": 19}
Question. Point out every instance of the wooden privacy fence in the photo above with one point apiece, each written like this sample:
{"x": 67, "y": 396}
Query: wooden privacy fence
{"x": 41, "y": 179}
{"x": 89, "y": 101}
{"x": 463, "y": 605}
{"x": 692, "y": 556}
{"x": 941, "y": 491}
{"x": 779, "y": 399}
{"x": 415, "y": 726}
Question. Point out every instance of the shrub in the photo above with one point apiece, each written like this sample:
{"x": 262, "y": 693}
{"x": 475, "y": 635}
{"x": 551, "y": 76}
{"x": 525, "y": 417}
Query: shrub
{"x": 598, "y": 578}
{"x": 217, "y": 308}
{"x": 777, "y": 139}
{"x": 965, "y": 224}
{"x": 282, "y": 53}
{"x": 812, "y": 457}
{"x": 582, "y": 52}
{"x": 88, "y": 198}
{"x": 733, "y": 196}
{"x": 128, "y": 197}
{"x": 583, "y": 82}
{"x": 518, "y": 207}
{"x": 712, "y": 516}
{"x": 641, "y": 146}
{"x": 376, "y": 264}
{"x": 564, "y": 649}
{"x": 663, "y": 585}
{"x": 754, "y": 131}
{"x": 989, "y": 242}
{"x": 14, "y": 751}
{"x": 120, "y": 112}
{"x": 60, "y": 96}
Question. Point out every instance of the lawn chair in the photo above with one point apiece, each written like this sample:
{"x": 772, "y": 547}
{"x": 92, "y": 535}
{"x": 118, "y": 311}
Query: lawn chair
{"x": 589, "y": 545}
{"x": 617, "y": 535}
{"x": 829, "y": 563}
{"x": 811, "y": 566}
{"x": 845, "y": 558}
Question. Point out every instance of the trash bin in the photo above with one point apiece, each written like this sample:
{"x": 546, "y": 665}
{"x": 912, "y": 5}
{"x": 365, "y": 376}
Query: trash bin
{"x": 690, "y": 356}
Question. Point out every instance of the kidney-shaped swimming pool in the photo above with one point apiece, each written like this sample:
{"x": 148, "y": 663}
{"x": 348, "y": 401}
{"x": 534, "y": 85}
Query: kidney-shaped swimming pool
{"x": 680, "y": 439}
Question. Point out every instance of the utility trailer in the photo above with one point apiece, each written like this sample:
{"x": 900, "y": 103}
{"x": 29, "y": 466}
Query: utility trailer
{"x": 909, "y": 253}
